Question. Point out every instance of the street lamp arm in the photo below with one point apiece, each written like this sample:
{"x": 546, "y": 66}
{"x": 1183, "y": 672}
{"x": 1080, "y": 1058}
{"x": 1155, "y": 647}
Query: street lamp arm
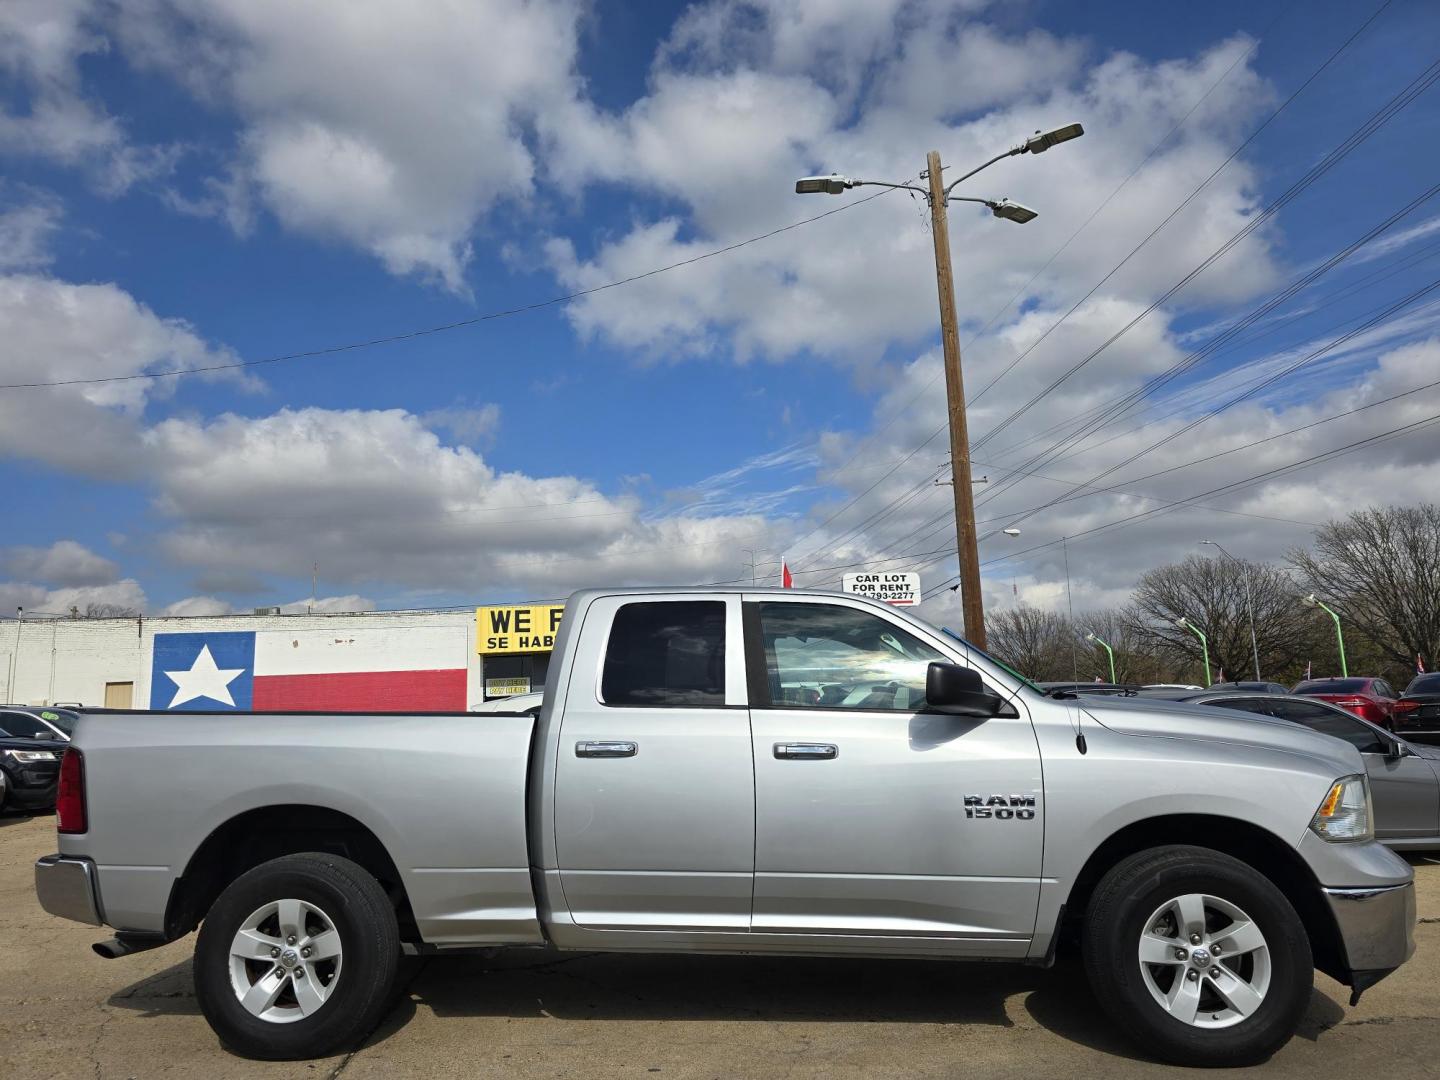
{"x": 998, "y": 157}
{"x": 882, "y": 183}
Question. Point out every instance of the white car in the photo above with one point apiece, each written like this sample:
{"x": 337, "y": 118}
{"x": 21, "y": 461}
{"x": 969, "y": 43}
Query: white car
{"x": 515, "y": 703}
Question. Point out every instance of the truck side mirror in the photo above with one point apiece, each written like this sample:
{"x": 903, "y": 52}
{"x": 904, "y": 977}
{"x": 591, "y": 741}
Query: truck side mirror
{"x": 1395, "y": 750}
{"x": 959, "y": 691}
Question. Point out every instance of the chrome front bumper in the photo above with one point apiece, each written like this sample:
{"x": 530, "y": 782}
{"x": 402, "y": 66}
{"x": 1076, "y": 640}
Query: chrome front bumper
{"x": 67, "y": 887}
{"x": 1377, "y": 928}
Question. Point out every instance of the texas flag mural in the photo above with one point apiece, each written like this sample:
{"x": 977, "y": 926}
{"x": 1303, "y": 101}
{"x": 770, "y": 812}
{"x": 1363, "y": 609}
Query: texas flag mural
{"x": 418, "y": 669}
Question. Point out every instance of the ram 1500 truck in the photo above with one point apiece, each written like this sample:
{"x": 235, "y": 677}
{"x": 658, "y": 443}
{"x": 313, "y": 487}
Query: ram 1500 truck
{"x": 746, "y": 772}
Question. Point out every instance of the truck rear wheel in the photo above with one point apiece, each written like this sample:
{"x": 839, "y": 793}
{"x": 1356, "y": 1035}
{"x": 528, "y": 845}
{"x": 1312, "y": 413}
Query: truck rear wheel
{"x": 1198, "y": 957}
{"x": 297, "y": 958}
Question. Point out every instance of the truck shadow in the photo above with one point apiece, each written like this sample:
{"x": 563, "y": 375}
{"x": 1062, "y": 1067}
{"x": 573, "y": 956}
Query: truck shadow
{"x": 591, "y": 986}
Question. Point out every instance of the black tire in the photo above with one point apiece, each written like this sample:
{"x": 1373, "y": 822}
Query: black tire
{"x": 362, "y": 915}
{"x": 1118, "y": 914}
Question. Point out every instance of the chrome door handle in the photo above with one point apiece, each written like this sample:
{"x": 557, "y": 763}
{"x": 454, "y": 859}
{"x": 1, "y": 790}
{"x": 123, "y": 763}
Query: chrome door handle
{"x": 606, "y": 748}
{"x": 806, "y": 751}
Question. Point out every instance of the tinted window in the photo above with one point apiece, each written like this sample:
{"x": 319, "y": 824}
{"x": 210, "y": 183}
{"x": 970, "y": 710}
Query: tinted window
{"x": 1332, "y": 722}
{"x": 1332, "y": 686}
{"x": 666, "y": 654}
{"x": 21, "y": 726}
{"x": 1260, "y": 706}
{"x": 1424, "y": 684}
{"x": 1382, "y": 688}
{"x": 830, "y": 657}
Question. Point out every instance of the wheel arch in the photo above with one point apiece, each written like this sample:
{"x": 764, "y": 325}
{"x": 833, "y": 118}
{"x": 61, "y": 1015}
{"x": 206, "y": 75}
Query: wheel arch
{"x": 1257, "y": 847}
{"x": 263, "y": 833}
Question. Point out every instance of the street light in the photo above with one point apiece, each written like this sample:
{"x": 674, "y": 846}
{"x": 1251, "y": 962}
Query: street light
{"x": 1186, "y": 624}
{"x": 1315, "y": 601}
{"x": 938, "y": 196}
{"x": 1096, "y": 639}
{"x": 1249, "y": 604}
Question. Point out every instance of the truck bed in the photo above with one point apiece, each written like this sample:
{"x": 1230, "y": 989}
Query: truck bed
{"x": 444, "y": 794}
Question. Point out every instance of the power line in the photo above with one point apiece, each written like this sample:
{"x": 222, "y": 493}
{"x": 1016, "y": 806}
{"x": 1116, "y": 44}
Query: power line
{"x": 445, "y": 327}
{"x": 1377, "y": 120}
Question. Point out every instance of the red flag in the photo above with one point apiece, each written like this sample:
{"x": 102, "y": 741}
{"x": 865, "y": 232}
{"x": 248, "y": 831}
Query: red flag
{"x": 786, "y": 581}
{"x": 1419, "y": 665}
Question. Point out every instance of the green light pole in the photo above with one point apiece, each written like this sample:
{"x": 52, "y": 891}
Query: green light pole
{"x": 1186, "y": 624}
{"x": 1096, "y": 639}
{"x": 1315, "y": 601}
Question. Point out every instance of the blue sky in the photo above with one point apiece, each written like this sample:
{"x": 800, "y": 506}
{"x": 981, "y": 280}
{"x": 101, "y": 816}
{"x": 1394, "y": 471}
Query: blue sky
{"x": 188, "y": 183}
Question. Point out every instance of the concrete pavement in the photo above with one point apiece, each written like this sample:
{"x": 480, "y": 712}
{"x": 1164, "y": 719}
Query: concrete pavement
{"x": 64, "y": 1012}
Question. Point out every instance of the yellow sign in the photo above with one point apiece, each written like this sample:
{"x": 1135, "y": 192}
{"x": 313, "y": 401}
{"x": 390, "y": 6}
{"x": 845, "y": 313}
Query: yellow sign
{"x": 519, "y": 628}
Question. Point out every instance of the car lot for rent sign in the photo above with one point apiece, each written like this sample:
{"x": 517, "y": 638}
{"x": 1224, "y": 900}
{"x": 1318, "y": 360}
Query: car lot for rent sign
{"x": 901, "y": 589}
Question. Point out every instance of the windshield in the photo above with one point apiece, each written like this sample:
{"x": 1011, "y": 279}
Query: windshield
{"x": 998, "y": 663}
{"x": 1332, "y": 686}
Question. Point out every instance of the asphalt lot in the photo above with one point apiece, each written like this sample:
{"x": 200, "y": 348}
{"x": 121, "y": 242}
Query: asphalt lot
{"x": 64, "y": 1012}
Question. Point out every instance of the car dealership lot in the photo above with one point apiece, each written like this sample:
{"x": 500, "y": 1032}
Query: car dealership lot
{"x": 65, "y": 1012}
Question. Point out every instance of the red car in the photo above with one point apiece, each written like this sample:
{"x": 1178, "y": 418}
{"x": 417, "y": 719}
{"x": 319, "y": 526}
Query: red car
{"x": 1369, "y": 699}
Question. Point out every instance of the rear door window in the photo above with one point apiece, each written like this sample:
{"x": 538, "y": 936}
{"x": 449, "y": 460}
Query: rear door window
{"x": 666, "y": 653}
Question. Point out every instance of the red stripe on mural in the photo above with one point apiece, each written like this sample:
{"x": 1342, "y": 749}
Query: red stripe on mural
{"x": 363, "y": 691}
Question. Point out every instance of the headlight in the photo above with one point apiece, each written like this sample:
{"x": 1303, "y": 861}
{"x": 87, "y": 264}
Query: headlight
{"x": 1345, "y": 812}
{"x": 30, "y": 755}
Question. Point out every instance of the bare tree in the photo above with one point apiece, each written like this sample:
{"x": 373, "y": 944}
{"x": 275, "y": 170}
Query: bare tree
{"x": 1211, "y": 594}
{"x": 1380, "y": 568}
{"x": 1035, "y": 643}
{"x": 110, "y": 611}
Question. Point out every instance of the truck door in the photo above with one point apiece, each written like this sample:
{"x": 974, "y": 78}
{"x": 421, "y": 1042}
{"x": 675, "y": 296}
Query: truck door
{"x": 654, "y": 790}
{"x": 874, "y": 818}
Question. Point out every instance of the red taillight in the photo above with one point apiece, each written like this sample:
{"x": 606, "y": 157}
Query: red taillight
{"x": 1351, "y": 702}
{"x": 1406, "y": 706}
{"x": 70, "y": 798}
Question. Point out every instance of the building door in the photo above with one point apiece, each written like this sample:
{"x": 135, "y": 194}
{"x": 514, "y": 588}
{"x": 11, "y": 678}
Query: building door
{"x": 861, "y": 796}
{"x": 119, "y": 695}
{"x": 654, "y": 790}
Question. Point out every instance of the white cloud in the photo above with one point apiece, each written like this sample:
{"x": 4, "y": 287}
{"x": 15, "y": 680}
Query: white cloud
{"x": 376, "y": 497}
{"x": 392, "y": 128}
{"x": 53, "y": 330}
{"x": 197, "y": 605}
{"x": 328, "y": 605}
{"x": 42, "y": 45}
{"x": 26, "y": 227}
{"x": 38, "y": 600}
{"x": 847, "y": 288}
{"x": 65, "y": 562}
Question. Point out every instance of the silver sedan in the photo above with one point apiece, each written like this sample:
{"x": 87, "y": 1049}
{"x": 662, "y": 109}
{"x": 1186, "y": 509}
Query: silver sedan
{"x": 1404, "y": 776}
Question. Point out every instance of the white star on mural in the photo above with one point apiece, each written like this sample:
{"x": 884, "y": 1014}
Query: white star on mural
{"x": 204, "y": 679}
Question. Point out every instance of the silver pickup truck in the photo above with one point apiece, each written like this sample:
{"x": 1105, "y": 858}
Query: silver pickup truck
{"x": 747, "y": 772}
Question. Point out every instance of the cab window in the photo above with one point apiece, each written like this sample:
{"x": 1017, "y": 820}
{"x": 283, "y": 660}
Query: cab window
{"x": 825, "y": 656}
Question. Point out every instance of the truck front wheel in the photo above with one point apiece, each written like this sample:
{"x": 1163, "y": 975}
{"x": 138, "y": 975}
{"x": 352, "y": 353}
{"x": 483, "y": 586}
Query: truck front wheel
{"x": 297, "y": 958}
{"x": 1197, "y": 956}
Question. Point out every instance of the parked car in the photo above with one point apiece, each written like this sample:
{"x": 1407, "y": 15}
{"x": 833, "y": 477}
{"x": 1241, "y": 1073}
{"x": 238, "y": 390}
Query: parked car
{"x": 1404, "y": 776}
{"x": 29, "y": 761}
{"x": 676, "y": 794}
{"x": 525, "y": 704}
{"x": 1368, "y": 698}
{"x": 38, "y": 723}
{"x": 1418, "y": 710}
{"x": 1252, "y": 687}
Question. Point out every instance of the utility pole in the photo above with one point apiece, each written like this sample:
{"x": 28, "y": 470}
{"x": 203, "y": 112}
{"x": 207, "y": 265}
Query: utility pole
{"x": 938, "y": 195}
{"x": 971, "y": 602}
